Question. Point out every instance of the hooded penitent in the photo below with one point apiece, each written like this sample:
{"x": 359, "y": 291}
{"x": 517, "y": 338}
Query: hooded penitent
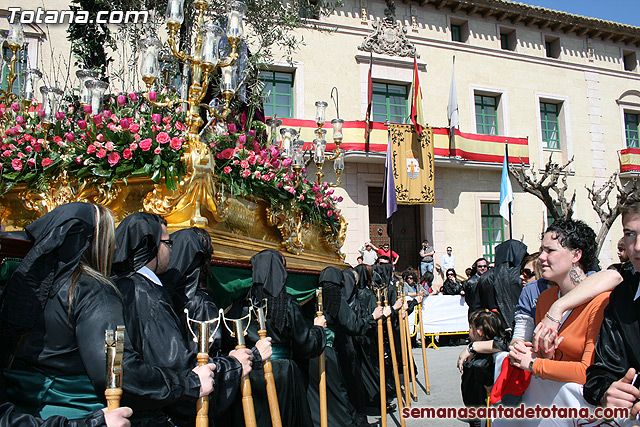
{"x": 365, "y": 276}
{"x": 331, "y": 281}
{"x": 137, "y": 241}
{"x": 269, "y": 279}
{"x": 59, "y": 238}
{"x": 188, "y": 256}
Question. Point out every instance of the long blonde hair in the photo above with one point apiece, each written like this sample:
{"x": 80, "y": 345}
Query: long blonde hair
{"x": 96, "y": 260}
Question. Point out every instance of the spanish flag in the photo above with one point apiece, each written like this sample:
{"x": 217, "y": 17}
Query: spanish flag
{"x": 417, "y": 116}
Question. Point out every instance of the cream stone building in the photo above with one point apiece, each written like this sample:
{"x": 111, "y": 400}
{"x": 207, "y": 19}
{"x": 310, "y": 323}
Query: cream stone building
{"x": 568, "y": 84}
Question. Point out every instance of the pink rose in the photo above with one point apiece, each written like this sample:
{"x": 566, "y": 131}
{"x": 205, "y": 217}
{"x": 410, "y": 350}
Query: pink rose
{"x": 101, "y": 154}
{"x": 113, "y": 158}
{"x": 31, "y": 163}
{"x": 82, "y": 124}
{"x": 28, "y": 149}
{"x": 242, "y": 139}
{"x": 20, "y": 120}
{"x": 176, "y": 143}
{"x": 122, "y": 100}
{"x": 106, "y": 114}
{"x": 145, "y": 144}
{"x": 6, "y": 153}
{"x": 126, "y": 153}
{"x": 157, "y": 150}
{"x": 70, "y": 137}
{"x": 163, "y": 138}
{"x": 46, "y": 162}
{"x": 109, "y": 146}
{"x": 244, "y": 164}
{"x": 227, "y": 169}
{"x": 232, "y": 127}
{"x": 134, "y": 127}
{"x": 78, "y": 160}
{"x": 227, "y": 153}
{"x": 166, "y": 120}
{"x": 245, "y": 173}
{"x": 133, "y": 96}
{"x": 180, "y": 126}
{"x": 156, "y": 118}
{"x": 100, "y": 137}
{"x": 124, "y": 123}
{"x": 91, "y": 149}
{"x": 97, "y": 119}
{"x": 87, "y": 109}
{"x": 153, "y": 96}
{"x": 286, "y": 162}
{"x": 257, "y": 174}
{"x": 59, "y": 115}
{"x": 267, "y": 177}
{"x": 329, "y": 213}
{"x": 252, "y": 133}
{"x": 15, "y": 107}
{"x": 112, "y": 127}
{"x": 41, "y": 113}
{"x": 133, "y": 146}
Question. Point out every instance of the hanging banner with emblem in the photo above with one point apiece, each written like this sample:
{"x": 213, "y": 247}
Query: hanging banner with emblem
{"x": 413, "y": 164}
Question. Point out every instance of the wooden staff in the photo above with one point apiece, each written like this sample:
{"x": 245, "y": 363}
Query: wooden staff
{"x": 414, "y": 387}
{"x": 202, "y": 405}
{"x": 114, "y": 347}
{"x": 272, "y": 396}
{"x": 424, "y": 350}
{"x": 383, "y": 383}
{"x": 403, "y": 348}
{"x": 247, "y": 399}
{"x": 322, "y": 375}
{"x": 394, "y": 362}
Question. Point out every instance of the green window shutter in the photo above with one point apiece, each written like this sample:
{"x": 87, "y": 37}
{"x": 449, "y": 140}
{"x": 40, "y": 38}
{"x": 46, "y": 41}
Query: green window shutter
{"x": 550, "y": 126}
{"x": 278, "y": 92}
{"x": 389, "y": 102}
{"x": 486, "y": 114}
{"x": 492, "y": 228}
{"x": 631, "y": 130}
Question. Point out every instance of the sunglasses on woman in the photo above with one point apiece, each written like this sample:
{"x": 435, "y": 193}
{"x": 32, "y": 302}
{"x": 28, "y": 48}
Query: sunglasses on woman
{"x": 527, "y": 273}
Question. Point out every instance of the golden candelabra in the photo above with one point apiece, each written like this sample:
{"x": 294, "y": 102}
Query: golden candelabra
{"x": 199, "y": 197}
{"x": 15, "y": 41}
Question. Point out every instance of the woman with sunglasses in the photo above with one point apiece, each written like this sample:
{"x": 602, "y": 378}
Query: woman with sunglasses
{"x": 451, "y": 285}
{"x": 529, "y": 269}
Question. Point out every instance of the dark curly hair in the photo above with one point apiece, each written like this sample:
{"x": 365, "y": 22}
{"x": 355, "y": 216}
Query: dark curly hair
{"x": 575, "y": 234}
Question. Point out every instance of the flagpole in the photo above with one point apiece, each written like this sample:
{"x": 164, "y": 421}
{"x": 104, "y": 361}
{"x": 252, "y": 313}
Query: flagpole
{"x": 506, "y": 151}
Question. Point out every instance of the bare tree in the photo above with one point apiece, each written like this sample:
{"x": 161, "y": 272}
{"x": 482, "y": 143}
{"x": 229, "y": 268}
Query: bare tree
{"x": 601, "y": 203}
{"x": 553, "y": 177}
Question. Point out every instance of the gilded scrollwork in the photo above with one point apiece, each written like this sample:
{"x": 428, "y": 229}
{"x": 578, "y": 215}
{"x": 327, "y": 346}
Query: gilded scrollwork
{"x": 336, "y": 241}
{"x": 292, "y": 226}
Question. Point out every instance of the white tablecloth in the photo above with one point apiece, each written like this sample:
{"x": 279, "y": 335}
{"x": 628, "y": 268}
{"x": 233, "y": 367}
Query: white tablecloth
{"x": 441, "y": 314}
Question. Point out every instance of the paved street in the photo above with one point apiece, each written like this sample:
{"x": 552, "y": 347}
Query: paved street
{"x": 444, "y": 381}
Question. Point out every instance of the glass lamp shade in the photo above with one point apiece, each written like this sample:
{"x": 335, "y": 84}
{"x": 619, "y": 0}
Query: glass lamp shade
{"x": 288, "y": 136}
{"x": 298, "y": 154}
{"x": 175, "y": 12}
{"x": 15, "y": 37}
{"x": 149, "y": 64}
{"x": 274, "y": 124}
{"x": 338, "y": 164}
{"x": 96, "y": 89}
{"x": 321, "y": 110}
{"x": 84, "y": 76}
{"x": 229, "y": 79}
{"x": 319, "y": 146}
{"x": 31, "y": 78}
{"x": 337, "y": 128}
{"x": 235, "y": 27}
{"x": 211, "y": 35}
{"x": 50, "y": 98}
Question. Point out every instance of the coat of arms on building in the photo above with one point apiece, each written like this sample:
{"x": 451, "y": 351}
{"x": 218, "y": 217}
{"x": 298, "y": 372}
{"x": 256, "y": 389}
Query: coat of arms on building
{"x": 389, "y": 36}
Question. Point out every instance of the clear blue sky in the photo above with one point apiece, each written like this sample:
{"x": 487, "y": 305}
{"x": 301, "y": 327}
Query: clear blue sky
{"x": 623, "y": 11}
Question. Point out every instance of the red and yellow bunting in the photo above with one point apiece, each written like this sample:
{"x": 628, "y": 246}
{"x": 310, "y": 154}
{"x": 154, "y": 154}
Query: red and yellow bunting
{"x": 630, "y": 160}
{"x": 467, "y": 146}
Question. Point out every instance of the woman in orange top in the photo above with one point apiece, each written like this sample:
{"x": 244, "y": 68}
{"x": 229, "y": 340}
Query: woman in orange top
{"x": 568, "y": 252}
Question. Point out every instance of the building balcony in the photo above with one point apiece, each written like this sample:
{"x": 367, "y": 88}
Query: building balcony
{"x": 630, "y": 161}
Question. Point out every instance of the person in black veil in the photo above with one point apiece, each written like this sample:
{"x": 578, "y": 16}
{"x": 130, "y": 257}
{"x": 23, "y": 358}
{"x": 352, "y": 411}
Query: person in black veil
{"x": 367, "y": 345}
{"x": 53, "y": 316}
{"x": 116, "y": 418}
{"x": 292, "y": 340}
{"x": 186, "y": 283}
{"x": 341, "y": 320}
{"x": 143, "y": 251}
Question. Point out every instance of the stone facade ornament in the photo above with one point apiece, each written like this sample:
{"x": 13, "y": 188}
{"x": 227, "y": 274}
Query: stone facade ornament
{"x": 389, "y": 37}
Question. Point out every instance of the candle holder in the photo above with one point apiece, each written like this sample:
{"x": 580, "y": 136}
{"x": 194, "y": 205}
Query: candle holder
{"x": 31, "y": 78}
{"x": 96, "y": 89}
{"x": 84, "y": 76}
{"x": 274, "y": 125}
{"x": 320, "y": 143}
{"x": 50, "y": 98}
{"x": 15, "y": 40}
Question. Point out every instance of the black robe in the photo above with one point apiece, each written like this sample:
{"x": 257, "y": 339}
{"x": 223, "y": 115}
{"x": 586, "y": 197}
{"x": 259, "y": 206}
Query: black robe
{"x": 10, "y": 418}
{"x": 292, "y": 347}
{"x": 617, "y": 346}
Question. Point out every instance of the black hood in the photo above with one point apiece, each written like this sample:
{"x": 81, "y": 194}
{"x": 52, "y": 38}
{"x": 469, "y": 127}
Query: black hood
{"x": 511, "y": 252}
{"x": 267, "y": 269}
{"x": 59, "y": 238}
{"x": 137, "y": 241}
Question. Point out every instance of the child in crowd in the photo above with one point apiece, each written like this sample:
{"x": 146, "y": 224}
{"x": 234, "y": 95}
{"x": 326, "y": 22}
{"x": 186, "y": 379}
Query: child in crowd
{"x": 477, "y": 371}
